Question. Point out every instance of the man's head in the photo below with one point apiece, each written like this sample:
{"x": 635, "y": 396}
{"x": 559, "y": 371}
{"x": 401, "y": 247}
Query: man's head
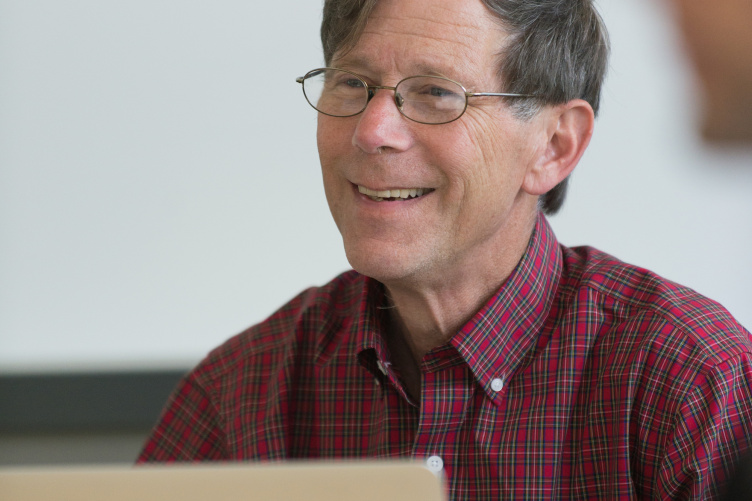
{"x": 556, "y": 50}
{"x": 478, "y": 179}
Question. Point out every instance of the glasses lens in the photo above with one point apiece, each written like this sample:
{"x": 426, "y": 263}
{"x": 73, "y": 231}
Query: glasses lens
{"x": 432, "y": 100}
{"x": 335, "y": 92}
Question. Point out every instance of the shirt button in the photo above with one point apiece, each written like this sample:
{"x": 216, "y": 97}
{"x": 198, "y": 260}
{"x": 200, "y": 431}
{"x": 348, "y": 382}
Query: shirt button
{"x": 435, "y": 463}
{"x": 497, "y": 385}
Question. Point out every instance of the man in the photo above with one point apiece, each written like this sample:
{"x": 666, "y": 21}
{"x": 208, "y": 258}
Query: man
{"x": 466, "y": 334}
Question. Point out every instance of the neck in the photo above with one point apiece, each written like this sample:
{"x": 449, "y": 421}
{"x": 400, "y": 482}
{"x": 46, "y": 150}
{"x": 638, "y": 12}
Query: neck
{"x": 428, "y": 313}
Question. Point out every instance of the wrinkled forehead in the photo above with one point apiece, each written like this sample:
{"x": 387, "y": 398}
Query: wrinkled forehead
{"x": 464, "y": 16}
{"x": 459, "y": 31}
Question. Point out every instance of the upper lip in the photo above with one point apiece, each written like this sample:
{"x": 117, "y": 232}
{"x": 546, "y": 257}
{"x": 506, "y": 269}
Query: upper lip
{"x": 378, "y": 186}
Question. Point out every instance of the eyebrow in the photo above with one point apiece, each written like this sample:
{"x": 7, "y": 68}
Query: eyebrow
{"x": 363, "y": 64}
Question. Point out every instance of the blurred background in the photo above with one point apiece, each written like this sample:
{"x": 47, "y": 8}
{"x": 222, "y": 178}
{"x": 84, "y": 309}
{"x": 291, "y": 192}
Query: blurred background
{"x": 160, "y": 192}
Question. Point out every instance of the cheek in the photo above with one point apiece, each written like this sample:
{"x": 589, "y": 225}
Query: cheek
{"x": 322, "y": 142}
{"x": 468, "y": 159}
{"x": 331, "y": 137}
{"x": 489, "y": 136}
{"x": 492, "y": 159}
{"x": 328, "y": 147}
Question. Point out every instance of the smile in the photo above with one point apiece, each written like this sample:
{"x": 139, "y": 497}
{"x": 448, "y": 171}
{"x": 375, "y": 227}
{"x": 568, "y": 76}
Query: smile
{"x": 393, "y": 194}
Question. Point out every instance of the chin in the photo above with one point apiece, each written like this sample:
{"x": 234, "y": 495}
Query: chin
{"x": 384, "y": 265}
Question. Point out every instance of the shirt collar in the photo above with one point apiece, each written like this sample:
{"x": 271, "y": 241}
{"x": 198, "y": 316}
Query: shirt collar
{"x": 367, "y": 326}
{"x": 495, "y": 342}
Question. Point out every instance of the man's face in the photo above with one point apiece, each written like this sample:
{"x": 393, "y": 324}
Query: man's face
{"x": 473, "y": 210}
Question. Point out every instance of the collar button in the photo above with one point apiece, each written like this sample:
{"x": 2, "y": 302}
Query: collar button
{"x": 497, "y": 385}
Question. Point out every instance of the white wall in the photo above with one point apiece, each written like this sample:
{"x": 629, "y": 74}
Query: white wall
{"x": 160, "y": 191}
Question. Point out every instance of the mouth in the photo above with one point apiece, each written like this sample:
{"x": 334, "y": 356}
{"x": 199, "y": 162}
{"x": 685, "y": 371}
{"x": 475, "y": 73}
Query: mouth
{"x": 395, "y": 194}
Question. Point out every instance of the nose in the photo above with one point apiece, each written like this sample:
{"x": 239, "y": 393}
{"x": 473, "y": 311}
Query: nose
{"x": 381, "y": 126}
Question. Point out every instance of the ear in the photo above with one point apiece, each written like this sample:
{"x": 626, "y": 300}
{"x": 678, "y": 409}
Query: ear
{"x": 568, "y": 127}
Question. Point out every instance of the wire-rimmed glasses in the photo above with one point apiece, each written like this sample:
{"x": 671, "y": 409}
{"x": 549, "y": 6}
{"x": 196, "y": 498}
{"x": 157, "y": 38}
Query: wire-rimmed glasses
{"x": 422, "y": 98}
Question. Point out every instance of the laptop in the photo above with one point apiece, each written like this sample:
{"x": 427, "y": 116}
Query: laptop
{"x": 362, "y": 480}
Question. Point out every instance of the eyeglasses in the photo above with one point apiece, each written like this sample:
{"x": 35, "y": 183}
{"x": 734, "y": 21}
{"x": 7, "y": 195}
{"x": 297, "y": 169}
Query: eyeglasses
{"x": 422, "y": 98}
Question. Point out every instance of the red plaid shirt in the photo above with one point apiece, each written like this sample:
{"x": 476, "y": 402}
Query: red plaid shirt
{"x": 582, "y": 378}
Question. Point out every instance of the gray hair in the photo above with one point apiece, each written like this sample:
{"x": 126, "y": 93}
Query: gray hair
{"x": 557, "y": 50}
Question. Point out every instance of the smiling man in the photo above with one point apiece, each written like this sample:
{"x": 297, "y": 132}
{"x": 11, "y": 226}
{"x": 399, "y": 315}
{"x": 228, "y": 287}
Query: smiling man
{"x": 466, "y": 334}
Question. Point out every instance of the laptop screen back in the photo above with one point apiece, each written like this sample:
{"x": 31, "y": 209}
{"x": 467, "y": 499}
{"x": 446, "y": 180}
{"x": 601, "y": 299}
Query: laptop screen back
{"x": 309, "y": 481}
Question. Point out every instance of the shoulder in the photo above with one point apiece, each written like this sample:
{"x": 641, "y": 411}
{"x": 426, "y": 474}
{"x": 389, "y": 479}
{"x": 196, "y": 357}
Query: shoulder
{"x": 652, "y": 309}
{"x": 298, "y": 330}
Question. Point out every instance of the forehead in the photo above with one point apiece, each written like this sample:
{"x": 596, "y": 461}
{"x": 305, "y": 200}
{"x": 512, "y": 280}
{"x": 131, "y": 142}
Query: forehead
{"x": 428, "y": 35}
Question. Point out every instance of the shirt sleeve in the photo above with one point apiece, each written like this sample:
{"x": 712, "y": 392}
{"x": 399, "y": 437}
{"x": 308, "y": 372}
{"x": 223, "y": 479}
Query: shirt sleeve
{"x": 189, "y": 428}
{"x": 713, "y": 428}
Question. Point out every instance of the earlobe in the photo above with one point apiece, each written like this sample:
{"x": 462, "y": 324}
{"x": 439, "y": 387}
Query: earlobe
{"x": 568, "y": 127}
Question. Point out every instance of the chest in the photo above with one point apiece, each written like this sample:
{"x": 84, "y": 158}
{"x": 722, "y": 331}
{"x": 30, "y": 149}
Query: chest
{"x": 525, "y": 438}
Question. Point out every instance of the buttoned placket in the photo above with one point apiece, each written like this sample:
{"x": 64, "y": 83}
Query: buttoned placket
{"x": 446, "y": 396}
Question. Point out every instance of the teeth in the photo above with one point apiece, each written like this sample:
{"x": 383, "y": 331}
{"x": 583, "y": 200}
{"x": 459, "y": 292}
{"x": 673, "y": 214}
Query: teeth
{"x": 403, "y": 193}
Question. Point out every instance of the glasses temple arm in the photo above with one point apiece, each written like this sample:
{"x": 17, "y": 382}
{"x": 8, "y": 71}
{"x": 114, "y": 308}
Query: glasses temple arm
{"x": 502, "y": 94}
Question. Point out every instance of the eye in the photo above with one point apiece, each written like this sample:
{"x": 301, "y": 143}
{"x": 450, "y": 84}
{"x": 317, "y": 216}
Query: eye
{"x": 434, "y": 89}
{"x": 337, "y": 79}
{"x": 354, "y": 82}
{"x": 440, "y": 92}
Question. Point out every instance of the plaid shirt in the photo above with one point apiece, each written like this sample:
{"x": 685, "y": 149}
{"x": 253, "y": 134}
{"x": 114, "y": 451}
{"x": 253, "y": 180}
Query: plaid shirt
{"x": 582, "y": 378}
